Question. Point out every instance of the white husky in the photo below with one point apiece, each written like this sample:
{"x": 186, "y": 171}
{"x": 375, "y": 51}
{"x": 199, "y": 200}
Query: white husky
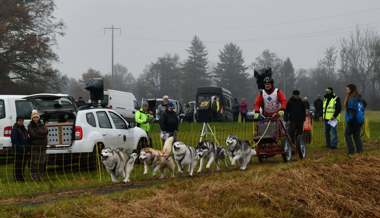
{"x": 184, "y": 155}
{"x": 239, "y": 150}
{"x": 118, "y": 163}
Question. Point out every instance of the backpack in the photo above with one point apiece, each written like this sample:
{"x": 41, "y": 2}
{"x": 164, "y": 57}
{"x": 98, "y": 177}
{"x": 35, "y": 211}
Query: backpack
{"x": 359, "y": 114}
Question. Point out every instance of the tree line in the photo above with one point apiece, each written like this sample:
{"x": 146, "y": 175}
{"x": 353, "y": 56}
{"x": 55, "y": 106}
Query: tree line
{"x": 28, "y": 30}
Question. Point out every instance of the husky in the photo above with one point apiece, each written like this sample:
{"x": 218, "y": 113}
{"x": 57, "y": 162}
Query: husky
{"x": 118, "y": 163}
{"x": 212, "y": 152}
{"x": 159, "y": 160}
{"x": 239, "y": 150}
{"x": 184, "y": 155}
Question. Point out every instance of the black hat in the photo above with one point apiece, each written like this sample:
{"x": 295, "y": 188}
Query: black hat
{"x": 329, "y": 89}
{"x": 296, "y": 92}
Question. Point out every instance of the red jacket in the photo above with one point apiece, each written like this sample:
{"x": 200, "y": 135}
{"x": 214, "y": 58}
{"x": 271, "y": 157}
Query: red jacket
{"x": 259, "y": 102}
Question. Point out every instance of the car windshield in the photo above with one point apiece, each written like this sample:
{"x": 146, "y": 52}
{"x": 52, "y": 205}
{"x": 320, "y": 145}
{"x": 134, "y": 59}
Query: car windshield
{"x": 54, "y": 104}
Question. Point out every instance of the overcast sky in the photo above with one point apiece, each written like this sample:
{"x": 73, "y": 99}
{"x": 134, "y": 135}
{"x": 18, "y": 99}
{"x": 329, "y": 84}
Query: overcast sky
{"x": 299, "y": 29}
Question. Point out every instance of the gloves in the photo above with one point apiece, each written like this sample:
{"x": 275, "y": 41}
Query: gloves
{"x": 280, "y": 113}
{"x": 256, "y": 116}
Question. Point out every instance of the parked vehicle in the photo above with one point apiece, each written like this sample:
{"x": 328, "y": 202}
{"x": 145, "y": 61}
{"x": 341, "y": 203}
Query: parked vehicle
{"x": 11, "y": 106}
{"x": 190, "y": 111}
{"x": 81, "y": 134}
{"x": 155, "y": 102}
{"x": 203, "y": 100}
{"x": 123, "y": 102}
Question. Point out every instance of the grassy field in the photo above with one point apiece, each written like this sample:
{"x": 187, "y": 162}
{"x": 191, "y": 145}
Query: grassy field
{"x": 83, "y": 192}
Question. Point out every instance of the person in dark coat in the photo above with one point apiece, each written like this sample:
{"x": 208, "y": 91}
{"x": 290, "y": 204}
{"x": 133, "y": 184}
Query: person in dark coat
{"x": 235, "y": 109}
{"x": 318, "y": 105}
{"x": 243, "y": 109}
{"x": 169, "y": 122}
{"x": 295, "y": 114}
{"x": 38, "y": 142}
{"x": 21, "y": 147}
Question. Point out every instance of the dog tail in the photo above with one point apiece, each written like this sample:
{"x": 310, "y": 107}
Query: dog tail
{"x": 167, "y": 149}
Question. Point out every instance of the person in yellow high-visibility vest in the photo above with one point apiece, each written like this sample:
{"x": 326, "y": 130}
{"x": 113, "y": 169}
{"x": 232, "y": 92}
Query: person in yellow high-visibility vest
{"x": 143, "y": 119}
{"x": 331, "y": 111}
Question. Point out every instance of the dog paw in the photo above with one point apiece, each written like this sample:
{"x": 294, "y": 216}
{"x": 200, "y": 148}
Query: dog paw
{"x": 126, "y": 181}
{"x": 243, "y": 168}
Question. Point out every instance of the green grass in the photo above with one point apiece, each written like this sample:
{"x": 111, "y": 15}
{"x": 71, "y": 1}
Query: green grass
{"x": 58, "y": 180}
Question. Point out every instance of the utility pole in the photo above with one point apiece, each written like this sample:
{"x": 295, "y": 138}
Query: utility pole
{"x": 112, "y": 28}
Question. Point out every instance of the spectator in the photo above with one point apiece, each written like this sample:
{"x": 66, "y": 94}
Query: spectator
{"x": 243, "y": 109}
{"x": 331, "y": 110}
{"x": 318, "y": 105}
{"x": 355, "y": 106}
{"x": 215, "y": 108}
{"x": 143, "y": 118}
{"x": 235, "y": 109}
{"x": 20, "y": 142}
{"x": 38, "y": 142}
{"x": 295, "y": 114}
{"x": 168, "y": 123}
{"x": 163, "y": 106}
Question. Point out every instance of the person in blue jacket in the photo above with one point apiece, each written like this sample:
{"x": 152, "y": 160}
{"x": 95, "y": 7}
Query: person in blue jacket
{"x": 355, "y": 107}
{"x": 21, "y": 147}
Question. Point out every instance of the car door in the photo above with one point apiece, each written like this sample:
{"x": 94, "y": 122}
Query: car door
{"x": 105, "y": 126}
{"x": 125, "y": 134}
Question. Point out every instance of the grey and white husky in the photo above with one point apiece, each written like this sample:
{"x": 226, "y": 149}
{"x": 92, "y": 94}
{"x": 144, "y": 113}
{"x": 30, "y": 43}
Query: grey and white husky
{"x": 211, "y": 152}
{"x": 239, "y": 150}
{"x": 184, "y": 155}
{"x": 118, "y": 163}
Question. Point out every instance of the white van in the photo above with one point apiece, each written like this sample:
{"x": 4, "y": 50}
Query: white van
{"x": 123, "y": 102}
{"x": 12, "y": 106}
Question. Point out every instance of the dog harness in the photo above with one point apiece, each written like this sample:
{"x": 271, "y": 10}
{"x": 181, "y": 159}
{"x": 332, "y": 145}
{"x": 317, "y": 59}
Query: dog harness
{"x": 237, "y": 147}
{"x": 184, "y": 155}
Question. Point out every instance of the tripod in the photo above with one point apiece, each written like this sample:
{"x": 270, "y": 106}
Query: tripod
{"x": 207, "y": 130}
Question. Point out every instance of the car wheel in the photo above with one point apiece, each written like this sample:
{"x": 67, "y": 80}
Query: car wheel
{"x": 91, "y": 161}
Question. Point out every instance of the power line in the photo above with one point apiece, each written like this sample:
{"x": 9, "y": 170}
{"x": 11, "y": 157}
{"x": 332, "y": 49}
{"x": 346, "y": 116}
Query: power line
{"x": 314, "y": 34}
{"x": 310, "y": 19}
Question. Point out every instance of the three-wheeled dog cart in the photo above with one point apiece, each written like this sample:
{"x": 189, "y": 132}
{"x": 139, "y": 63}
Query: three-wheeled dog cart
{"x": 272, "y": 138}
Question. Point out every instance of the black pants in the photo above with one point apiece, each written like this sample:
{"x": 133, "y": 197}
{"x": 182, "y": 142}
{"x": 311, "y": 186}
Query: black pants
{"x": 243, "y": 117}
{"x": 38, "y": 161}
{"x": 295, "y": 129}
{"x": 21, "y": 158}
{"x": 353, "y": 131}
{"x": 236, "y": 116}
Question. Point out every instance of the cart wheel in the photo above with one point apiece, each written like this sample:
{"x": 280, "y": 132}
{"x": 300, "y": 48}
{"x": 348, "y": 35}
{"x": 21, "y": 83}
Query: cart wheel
{"x": 287, "y": 155}
{"x": 301, "y": 148}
